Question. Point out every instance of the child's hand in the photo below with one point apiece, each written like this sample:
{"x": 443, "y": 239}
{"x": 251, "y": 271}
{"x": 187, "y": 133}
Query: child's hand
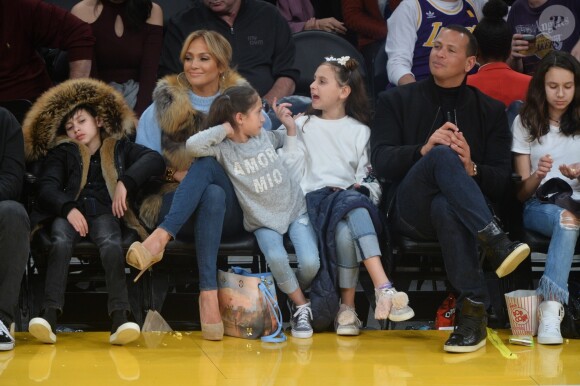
{"x": 78, "y": 221}
{"x": 229, "y": 129}
{"x": 544, "y": 166}
{"x": 120, "y": 200}
{"x": 285, "y": 116}
{"x": 571, "y": 171}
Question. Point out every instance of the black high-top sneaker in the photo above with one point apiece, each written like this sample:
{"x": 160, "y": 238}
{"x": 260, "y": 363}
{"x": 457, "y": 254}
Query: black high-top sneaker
{"x": 470, "y": 330}
{"x": 43, "y": 327}
{"x": 123, "y": 331}
{"x": 504, "y": 255}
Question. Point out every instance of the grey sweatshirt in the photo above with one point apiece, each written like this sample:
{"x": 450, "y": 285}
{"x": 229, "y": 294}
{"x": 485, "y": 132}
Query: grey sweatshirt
{"x": 268, "y": 196}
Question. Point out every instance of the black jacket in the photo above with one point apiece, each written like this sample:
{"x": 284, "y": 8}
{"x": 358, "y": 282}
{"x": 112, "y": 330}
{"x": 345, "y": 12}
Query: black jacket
{"x": 406, "y": 116}
{"x": 261, "y": 40}
{"x": 11, "y": 157}
{"x": 66, "y": 166}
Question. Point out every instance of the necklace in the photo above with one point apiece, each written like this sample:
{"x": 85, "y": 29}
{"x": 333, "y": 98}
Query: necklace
{"x": 554, "y": 120}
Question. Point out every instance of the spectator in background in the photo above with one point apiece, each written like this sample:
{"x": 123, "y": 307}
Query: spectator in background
{"x": 494, "y": 77}
{"x": 263, "y": 50}
{"x": 129, "y": 36}
{"x": 541, "y": 26}
{"x": 14, "y": 224}
{"x": 27, "y": 25}
{"x": 368, "y": 19}
{"x": 300, "y": 17}
{"x": 413, "y": 28}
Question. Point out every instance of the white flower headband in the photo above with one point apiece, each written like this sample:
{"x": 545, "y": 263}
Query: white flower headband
{"x": 342, "y": 60}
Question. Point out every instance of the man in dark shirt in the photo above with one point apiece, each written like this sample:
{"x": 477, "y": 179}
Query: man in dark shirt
{"x": 25, "y": 26}
{"x": 443, "y": 147}
{"x": 14, "y": 223}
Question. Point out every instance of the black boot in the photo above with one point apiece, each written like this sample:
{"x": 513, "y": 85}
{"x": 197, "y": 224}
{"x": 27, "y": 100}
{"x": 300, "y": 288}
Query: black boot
{"x": 470, "y": 330}
{"x": 504, "y": 255}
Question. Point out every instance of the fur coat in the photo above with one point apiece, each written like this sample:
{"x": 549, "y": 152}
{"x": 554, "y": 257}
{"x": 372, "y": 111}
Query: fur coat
{"x": 43, "y": 134}
{"x": 178, "y": 120}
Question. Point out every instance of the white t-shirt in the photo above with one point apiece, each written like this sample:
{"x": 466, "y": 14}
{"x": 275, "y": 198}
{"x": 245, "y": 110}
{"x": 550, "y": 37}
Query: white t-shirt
{"x": 563, "y": 150}
{"x": 330, "y": 153}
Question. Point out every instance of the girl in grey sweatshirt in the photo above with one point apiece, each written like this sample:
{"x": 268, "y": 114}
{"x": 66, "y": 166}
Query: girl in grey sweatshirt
{"x": 271, "y": 200}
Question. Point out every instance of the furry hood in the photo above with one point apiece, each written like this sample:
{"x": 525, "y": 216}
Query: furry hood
{"x": 42, "y": 122}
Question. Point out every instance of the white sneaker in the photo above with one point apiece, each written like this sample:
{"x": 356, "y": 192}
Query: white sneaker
{"x": 40, "y": 328}
{"x": 550, "y": 314}
{"x": 392, "y": 305}
{"x": 126, "y": 333}
{"x": 347, "y": 322}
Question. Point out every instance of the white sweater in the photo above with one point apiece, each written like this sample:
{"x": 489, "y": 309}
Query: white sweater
{"x": 330, "y": 153}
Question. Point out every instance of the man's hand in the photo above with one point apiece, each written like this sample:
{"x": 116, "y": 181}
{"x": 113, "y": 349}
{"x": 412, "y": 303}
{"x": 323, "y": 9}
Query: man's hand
{"x": 461, "y": 147}
{"x": 442, "y": 136}
{"x": 120, "y": 200}
{"x": 78, "y": 222}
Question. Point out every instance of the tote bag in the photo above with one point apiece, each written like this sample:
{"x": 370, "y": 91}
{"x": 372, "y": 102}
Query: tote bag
{"x": 248, "y": 305}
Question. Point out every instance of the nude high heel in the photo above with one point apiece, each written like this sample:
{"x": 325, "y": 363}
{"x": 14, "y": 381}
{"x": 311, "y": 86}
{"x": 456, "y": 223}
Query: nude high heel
{"x": 211, "y": 331}
{"x": 139, "y": 257}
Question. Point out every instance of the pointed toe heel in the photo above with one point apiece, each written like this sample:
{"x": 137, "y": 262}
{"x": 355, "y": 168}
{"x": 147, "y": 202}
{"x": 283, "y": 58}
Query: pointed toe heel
{"x": 139, "y": 257}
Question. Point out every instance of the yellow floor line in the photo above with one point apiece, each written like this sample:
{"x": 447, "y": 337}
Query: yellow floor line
{"x": 499, "y": 345}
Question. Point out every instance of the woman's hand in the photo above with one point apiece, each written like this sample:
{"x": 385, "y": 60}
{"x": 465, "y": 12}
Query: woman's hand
{"x": 544, "y": 166}
{"x": 120, "y": 200}
{"x": 330, "y": 24}
{"x": 571, "y": 171}
{"x": 284, "y": 114}
{"x": 179, "y": 175}
{"x": 78, "y": 222}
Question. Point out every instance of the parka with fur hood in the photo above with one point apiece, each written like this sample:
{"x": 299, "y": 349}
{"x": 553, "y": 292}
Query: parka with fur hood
{"x": 178, "y": 120}
{"x": 65, "y": 161}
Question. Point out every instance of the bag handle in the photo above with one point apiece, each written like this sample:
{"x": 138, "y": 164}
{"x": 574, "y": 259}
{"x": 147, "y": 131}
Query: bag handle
{"x": 277, "y": 336}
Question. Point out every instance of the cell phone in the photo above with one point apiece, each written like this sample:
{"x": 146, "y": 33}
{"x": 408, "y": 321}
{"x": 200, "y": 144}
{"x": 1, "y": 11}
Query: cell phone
{"x": 528, "y": 37}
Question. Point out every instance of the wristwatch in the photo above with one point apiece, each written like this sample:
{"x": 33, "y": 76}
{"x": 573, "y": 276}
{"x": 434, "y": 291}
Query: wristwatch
{"x": 474, "y": 168}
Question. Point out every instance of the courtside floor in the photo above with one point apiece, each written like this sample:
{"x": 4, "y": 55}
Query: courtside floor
{"x": 394, "y": 358}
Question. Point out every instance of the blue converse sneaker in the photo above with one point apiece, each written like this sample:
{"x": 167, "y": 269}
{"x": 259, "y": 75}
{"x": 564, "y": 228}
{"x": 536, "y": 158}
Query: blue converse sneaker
{"x": 301, "y": 321}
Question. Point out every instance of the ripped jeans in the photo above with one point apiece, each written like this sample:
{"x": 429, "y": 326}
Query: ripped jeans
{"x": 546, "y": 219}
{"x": 304, "y": 240}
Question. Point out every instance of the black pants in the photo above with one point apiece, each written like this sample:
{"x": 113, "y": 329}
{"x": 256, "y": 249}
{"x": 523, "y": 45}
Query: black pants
{"x": 14, "y": 251}
{"x": 105, "y": 231}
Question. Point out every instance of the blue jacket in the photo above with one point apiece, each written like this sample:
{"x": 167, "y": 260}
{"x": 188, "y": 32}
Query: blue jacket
{"x": 326, "y": 208}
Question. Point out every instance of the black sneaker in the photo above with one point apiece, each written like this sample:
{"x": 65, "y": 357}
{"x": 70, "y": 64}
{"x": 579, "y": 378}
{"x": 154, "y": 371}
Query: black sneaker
{"x": 6, "y": 339}
{"x": 301, "y": 321}
{"x": 504, "y": 255}
{"x": 123, "y": 331}
{"x": 471, "y": 329}
{"x": 43, "y": 327}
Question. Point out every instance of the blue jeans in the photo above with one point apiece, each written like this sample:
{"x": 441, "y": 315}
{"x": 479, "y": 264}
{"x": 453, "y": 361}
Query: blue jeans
{"x": 356, "y": 240}
{"x": 545, "y": 219}
{"x": 303, "y": 238}
{"x": 437, "y": 200}
{"x": 14, "y": 251}
{"x": 204, "y": 207}
{"x": 105, "y": 232}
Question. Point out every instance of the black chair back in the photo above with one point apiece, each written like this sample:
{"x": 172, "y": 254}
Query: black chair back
{"x": 311, "y": 49}
{"x": 18, "y": 108}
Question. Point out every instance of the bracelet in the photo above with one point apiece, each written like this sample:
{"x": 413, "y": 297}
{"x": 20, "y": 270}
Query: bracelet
{"x": 169, "y": 175}
{"x": 474, "y": 168}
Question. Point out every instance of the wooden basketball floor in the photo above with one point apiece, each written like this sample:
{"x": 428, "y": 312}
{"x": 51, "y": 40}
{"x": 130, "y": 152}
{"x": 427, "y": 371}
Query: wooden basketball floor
{"x": 394, "y": 358}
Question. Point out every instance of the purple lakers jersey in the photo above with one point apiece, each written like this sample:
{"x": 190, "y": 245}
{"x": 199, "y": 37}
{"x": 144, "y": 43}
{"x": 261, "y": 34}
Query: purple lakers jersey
{"x": 430, "y": 21}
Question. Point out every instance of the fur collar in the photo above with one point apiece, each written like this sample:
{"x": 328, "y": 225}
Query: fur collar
{"x": 42, "y": 122}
